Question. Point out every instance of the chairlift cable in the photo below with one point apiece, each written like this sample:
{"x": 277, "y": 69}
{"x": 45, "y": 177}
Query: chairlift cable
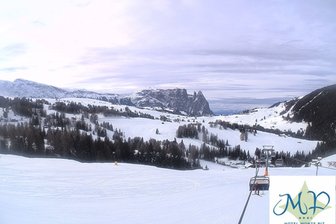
{"x": 248, "y": 198}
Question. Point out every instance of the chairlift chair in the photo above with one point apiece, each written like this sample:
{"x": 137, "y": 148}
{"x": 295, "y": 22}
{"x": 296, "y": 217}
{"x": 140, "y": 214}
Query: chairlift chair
{"x": 259, "y": 183}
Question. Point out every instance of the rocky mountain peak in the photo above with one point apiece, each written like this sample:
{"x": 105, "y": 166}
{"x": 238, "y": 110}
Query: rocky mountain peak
{"x": 175, "y": 100}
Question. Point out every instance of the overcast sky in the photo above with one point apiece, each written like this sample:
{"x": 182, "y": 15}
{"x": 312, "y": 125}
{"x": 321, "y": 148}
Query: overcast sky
{"x": 260, "y": 49}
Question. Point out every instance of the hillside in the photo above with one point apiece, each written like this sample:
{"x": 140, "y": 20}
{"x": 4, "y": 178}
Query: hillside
{"x": 313, "y": 116}
{"x": 93, "y": 130}
{"x": 319, "y": 110}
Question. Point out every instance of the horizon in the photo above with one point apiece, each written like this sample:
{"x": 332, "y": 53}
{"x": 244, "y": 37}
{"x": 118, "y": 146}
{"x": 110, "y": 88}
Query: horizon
{"x": 224, "y": 106}
{"x": 244, "y": 50}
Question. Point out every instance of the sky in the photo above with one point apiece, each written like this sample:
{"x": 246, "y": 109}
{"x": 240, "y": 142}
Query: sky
{"x": 246, "y": 51}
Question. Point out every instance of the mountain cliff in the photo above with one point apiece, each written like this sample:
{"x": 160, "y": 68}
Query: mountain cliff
{"x": 174, "y": 100}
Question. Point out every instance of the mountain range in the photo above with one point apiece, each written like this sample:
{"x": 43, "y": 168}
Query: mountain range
{"x": 310, "y": 117}
{"x": 171, "y": 100}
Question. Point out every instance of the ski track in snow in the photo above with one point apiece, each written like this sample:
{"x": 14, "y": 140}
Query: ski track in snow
{"x": 63, "y": 191}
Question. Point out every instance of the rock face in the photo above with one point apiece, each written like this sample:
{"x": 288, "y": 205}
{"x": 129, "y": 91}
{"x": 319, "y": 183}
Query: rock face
{"x": 173, "y": 100}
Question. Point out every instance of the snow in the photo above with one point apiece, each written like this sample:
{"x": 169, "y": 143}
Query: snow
{"x": 268, "y": 118}
{"x": 134, "y": 127}
{"x": 146, "y": 128}
{"x": 67, "y": 192}
{"x": 63, "y": 191}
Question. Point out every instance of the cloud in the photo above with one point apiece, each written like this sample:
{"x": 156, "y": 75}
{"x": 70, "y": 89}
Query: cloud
{"x": 12, "y": 50}
{"x": 12, "y": 69}
{"x": 228, "y": 49}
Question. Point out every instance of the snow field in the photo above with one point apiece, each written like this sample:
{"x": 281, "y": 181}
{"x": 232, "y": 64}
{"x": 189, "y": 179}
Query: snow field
{"x": 63, "y": 191}
{"x": 267, "y": 118}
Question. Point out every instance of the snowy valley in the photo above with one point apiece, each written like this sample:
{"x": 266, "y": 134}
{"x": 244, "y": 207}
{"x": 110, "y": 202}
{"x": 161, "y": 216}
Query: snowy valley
{"x": 113, "y": 142}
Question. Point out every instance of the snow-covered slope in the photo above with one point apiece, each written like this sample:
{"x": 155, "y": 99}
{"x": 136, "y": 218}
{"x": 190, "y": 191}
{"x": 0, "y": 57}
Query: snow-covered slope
{"x": 39, "y": 191}
{"x": 311, "y": 116}
{"x": 146, "y": 128}
{"x": 271, "y": 117}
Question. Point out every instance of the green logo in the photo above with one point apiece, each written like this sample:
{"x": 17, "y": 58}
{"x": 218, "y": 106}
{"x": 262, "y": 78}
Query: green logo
{"x": 305, "y": 206}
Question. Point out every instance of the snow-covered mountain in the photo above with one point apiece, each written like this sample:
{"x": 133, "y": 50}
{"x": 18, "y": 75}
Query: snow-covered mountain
{"x": 29, "y": 89}
{"x": 313, "y": 115}
{"x": 24, "y": 88}
{"x": 173, "y": 100}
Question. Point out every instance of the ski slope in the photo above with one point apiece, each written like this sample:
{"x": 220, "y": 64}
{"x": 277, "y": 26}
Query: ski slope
{"x": 54, "y": 191}
{"x": 267, "y": 117}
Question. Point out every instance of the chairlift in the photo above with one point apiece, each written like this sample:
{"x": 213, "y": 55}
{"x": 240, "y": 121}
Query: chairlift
{"x": 259, "y": 183}
{"x": 262, "y": 183}
{"x": 273, "y": 154}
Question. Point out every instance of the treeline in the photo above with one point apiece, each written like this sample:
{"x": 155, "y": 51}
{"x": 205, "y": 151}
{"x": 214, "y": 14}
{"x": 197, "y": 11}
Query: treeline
{"x": 324, "y": 149}
{"x": 22, "y": 106}
{"x": 28, "y": 140}
{"x": 254, "y": 128}
{"x": 188, "y": 131}
{"x": 233, "y": 153}
{"x": 296, "y": 159}
{"x": 214, "y": 148}
{"x": 78, "y": 108}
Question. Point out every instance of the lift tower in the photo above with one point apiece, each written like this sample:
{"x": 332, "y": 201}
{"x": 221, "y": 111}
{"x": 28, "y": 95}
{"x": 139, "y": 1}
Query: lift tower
{"x": 268, "y": 151}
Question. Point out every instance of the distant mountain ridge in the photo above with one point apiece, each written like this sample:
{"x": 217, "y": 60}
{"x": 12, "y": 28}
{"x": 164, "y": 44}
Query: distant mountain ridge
{"x": 30, "y": 89}
{"x": 173, "y": 100}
